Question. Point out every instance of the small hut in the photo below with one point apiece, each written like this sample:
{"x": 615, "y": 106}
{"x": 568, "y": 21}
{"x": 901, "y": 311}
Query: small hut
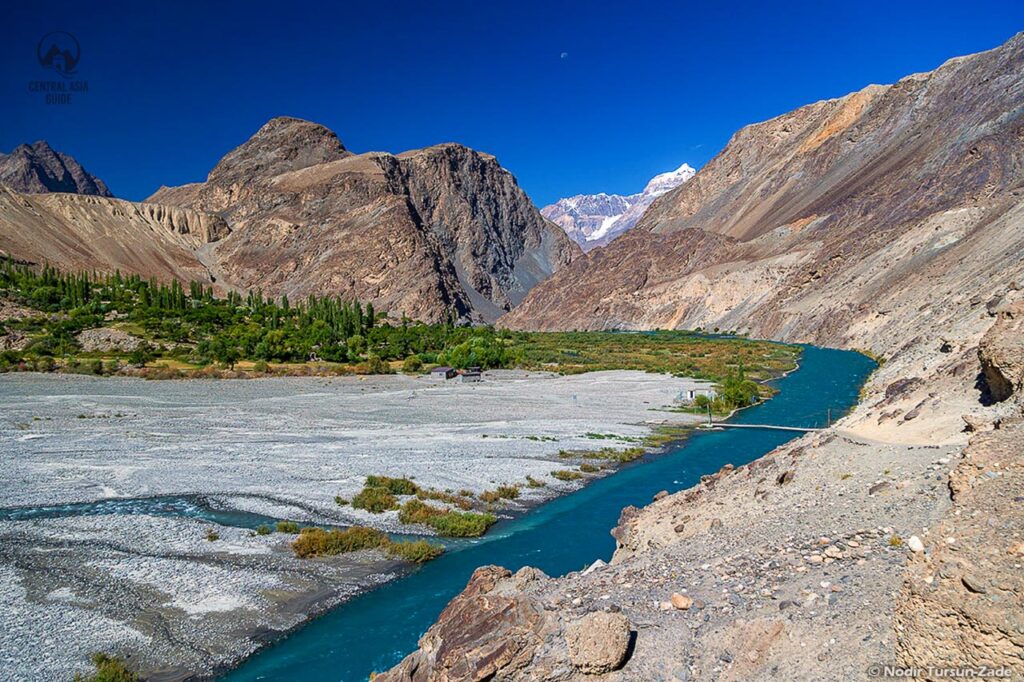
{"x": 442, "y": 373}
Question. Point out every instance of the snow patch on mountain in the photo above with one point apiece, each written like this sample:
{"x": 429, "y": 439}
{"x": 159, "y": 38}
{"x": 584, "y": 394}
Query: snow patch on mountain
{"x": 593, "y": 220}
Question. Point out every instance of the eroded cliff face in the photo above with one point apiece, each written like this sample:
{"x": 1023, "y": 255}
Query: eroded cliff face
{"x": 78, "y": 232}
{"x": 433, "y": 233}
{"x": 890, "y": 220}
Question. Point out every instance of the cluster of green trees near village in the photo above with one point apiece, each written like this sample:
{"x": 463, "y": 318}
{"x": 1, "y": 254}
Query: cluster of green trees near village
{"x": 196, "y": 326}
{"x": 193, "y": 329}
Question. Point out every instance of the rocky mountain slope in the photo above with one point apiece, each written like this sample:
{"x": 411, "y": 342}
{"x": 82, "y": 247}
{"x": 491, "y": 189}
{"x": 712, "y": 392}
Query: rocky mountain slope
{"x": 593, "y": 220}
{"x": 431, "y": 233}
{"x": 36, "y": 169}
{"x": 888, "y": 220}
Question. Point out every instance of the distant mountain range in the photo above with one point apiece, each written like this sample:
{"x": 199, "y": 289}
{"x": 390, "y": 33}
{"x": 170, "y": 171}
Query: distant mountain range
{"x": 593, "y": 220}
{"x": 37, "y": 169}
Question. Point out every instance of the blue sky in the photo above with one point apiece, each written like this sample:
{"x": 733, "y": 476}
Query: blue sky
{"x": 641, "y": 88}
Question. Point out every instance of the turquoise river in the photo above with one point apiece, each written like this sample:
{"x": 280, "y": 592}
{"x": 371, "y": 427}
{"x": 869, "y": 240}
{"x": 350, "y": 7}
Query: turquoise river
{"x": 376, "y": 630}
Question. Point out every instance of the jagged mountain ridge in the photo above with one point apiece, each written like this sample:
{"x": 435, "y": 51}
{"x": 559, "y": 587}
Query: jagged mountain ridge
{"x": 37, "y": 169}
{"x": 431, "y": 233}
{"x": 593, "y": 220}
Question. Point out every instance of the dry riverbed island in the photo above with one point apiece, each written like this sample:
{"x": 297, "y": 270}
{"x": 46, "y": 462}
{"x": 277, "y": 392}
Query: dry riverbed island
{"x": 184, "y": 595}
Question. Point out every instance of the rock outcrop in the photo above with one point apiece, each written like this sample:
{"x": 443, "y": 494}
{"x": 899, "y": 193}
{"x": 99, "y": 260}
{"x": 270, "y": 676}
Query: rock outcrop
{"x": 1001, "y": 354}
{"x": 38, "y": 169}
{"x": 434, "y": 233}
{"x": 487, "y": 632}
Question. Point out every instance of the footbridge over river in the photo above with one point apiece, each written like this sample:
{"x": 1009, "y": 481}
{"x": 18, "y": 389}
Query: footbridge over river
{"x": 773, "y": 427}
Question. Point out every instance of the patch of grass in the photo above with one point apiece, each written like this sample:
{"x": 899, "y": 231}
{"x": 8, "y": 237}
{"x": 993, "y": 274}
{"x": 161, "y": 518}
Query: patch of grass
{"x": 212, "y": 535}
{"x": 663, "y": 435}
{"x": 466, "y": 493}
{"x": 566, "y": 475}
{"x": 845, "y": 476}
{"x": 375, "y": 500}
{"x": 445, "y": 521}
{"x": 508, "y": 492}
{"x": 459, "y": 501}
{"x": 534, "y": 483}
{"x": 108, "y": 669}
{"x": 340, "y": 501}
{"x": 415, "y": 551}
{"x": 895, "y": 541}
{"x": 319, "y": 542}
{"x": 263, "y": 529}
{"x": 588, "y": 468}
{"x": 546, "y": 439}
{"x": 417, "y": 511}
{"x": 462, "y": 524}
{"x": 395, "y": 486}
{"x": 287, "y": 527}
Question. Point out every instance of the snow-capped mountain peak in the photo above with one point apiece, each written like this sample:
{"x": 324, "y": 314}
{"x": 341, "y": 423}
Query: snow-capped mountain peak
{"x": 593, "y": 220}
{"x": 663, "y": 182}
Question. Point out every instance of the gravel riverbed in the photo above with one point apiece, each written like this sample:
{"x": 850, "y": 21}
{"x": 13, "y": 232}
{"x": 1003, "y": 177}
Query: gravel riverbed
{"x": 157, "y": 590}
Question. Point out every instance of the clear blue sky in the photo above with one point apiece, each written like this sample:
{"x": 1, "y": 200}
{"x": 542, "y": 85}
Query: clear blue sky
{"x": 640, "y": 89}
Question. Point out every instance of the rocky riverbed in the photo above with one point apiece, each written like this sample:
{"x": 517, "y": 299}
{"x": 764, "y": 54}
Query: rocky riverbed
{"x": 176, "y": 600}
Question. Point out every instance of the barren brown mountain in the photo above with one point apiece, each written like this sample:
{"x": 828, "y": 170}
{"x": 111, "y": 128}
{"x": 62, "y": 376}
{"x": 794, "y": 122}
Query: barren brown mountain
{"x": 890, "y": 220}
{"x": 429, "y": 233}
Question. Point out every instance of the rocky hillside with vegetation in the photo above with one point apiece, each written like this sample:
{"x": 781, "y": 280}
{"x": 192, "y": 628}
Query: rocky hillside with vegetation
{"x": 888, "y": 220}
{"x": 442, "y": 233}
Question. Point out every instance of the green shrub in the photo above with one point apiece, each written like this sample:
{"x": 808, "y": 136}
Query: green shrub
{"x": 319, "y": 542}
{"x": 212, "y": 535}
{"x": 504, "y": 492}
{"x": 263, "y": 529}
{"x": 375, "y": 500}
{"x": 534, "y": 483}
{"x": 395, "y": 486}
{"x": 508, "y": 492}
{"x": 566, "y": 475}
{"x": 261, "y": 367}
{"x": 340, "y": 501}
{"x": 108, "y": 669}
{"x": 588, "y": 468}
{"x": 417, "y": 552}
{"x": 287, "y": 527}
{"x": 412, "y": 364}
